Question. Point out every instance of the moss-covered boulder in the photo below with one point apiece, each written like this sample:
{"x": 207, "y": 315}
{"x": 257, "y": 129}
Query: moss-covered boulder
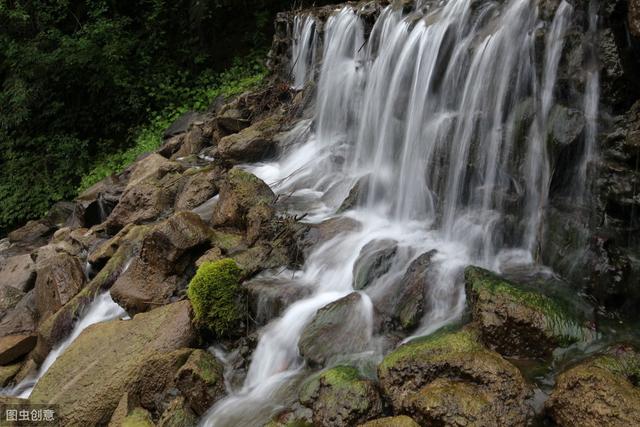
{"x": 201, "y": 381}
{"x": 399, "y": 421}
{"x": 139, "y": 356}
{"x": 253, "y": 143}
{"x": 178, "y": 414}
{"x": 340, "y": 396}
{"x": 601, "y": 391}
{"x": 516, "y": 321}
{"x": 215, "y": 295}
{"x": 451, "y": 376}
{"x": 341, "y": 327}
{"x": 246, "y": 203}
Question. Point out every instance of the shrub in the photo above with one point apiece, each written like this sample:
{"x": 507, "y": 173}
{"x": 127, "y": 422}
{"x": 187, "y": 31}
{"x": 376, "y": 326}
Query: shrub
{"x": 214, "y": 293}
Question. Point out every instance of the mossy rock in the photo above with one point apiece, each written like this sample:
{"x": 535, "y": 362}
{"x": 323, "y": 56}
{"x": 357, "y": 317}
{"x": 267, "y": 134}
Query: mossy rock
{"x": 520, "y": 322}
{"x": 214, "y": 293}
{"x": 201, "y": 380}
{"x": 601, "y": 391}
{"x": 7, "y": 373}
{"x": 399, "y": 421}
{"x": 340, "y": 396}
{"x": 139, "y": 417}
{"x": 413, "y": 378}
{"x": 178, "y": 414}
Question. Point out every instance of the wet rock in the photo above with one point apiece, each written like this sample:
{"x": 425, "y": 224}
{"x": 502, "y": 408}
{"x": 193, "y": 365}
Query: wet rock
{"x": 201, "y": 381}
{"x": 18, "y": 272}
{"x": 269, "y": 298}
{"x": 96, "y": 203}
{"x": 200, "y": 185}
{"x": 399, "y": 421}
{"x": 327, "y": 230}
{"x": 155, "y": 276}
{"x": 253, "y": 143}
{"x": 13, "y": 347}
{"x": 516, "y": 321}
{"x": 139, "y": 356}
{"x": 59, "y": 279}
{"x": 340, "y": 327}
{"x": 356, "y": 194}
{"x": 375, "y": 259}
{"x": 405, "y": 303}
{"x": 601, "y": 391}
{"x": 450, "y": 376}
{"x": 246, "y": 202}
{"x": 298, "y": 415}
{"x": 341, "y": 397}
{"x": 33, "y": 234}
{"x": 151, "y": 192}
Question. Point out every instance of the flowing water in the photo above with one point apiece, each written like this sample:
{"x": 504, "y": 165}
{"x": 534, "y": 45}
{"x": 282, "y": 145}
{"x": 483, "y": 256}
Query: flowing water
{"x": 102, "y": 309}
{"x": 431, "y": 115}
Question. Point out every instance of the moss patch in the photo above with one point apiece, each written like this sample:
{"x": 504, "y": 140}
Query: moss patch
{"x": 213, "y": 293}
{"x": 138, "y": 418}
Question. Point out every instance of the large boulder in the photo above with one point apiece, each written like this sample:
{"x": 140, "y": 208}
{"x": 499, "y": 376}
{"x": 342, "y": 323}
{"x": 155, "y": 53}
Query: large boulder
{"x": 341, "y": 397}
{"x": 516, "y": 321}
{"x": 341, "y": 327}
{"x": 253, "y": 143}
{"x": 246, "y": 202}
{"x": 13, "y": 347}
{"x": 600, "y": 391}
{"x": 200, "y": 185}
{"x": 18, "y": 271}
{"x": 32, "y": 234}
{"x": 150, "y": 193}
{"x": 59, "y": 279}
{"x": 139, "y": 356}
{"x": 156, "y": 274}
{"x": 201, "y": 381}
{"x": 22, "y": 318}
{"x": 449, "y": 378}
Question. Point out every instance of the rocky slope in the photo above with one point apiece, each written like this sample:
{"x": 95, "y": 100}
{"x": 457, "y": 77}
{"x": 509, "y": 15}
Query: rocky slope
{"x": 142, "y": 235}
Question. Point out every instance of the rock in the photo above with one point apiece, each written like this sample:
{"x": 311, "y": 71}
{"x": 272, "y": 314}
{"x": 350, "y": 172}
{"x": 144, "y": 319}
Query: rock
{"x": 327, "y": 230}
{"x": 246, "y": 202}
{"x": 182, "y": 124}
{"x": 59, "y": 279}
{"x": 139, "y": 356}
{"x": 341, "y": 397}
{"x": 251, "y": 144}
{"x": 184, "y": 145}
{"x": 33, "y": 234}
{"x": 399, "y": 421}
{"x": 13, "y": 347}
{"x": 61, "y": 214}
{"x": 155, "y": 276}
{"x": 178, "y": 414}
{"x": 150, "y": 192}
{"x": 356, "y": 194}
{"x": 298, "y": 416}
{"x": 21, "y": 320}
{"x": 341, "y": 327}
{"x": 7, "y": 373}
{"x": 404, "y": 304}
{"x": 450, "y": 376}
{"x": 268, "y": 298}
{"x": 103, "y": 252}
{"x": 139, "y": 417}
{"x": 516, "y": 321}
{"x": 18, "y": 271}
{"x": 601, "y": 391}
{"x": 375, "y": 259}
{"x": 232, "y": 121}
{"x": 201, "y": 381}
{"x": 96, "y": 203}
{"x": 9, "y": 298}
{"x": 634, "y": 17}
{"x": 200, "y": 186}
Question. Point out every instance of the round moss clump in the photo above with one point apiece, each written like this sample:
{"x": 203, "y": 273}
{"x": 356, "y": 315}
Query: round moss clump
{"x": 213, "y": 293}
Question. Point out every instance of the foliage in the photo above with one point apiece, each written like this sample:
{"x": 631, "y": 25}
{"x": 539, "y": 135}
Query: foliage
{"x": 81, "y": 80}
{"x": 213, "y": 293}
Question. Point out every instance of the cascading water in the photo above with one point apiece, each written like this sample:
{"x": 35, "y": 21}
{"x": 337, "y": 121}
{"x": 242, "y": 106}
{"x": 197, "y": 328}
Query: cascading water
{"x": 102, "y": 309}
{"x": 429, "y": 115}
{"x": 303, "y": 50}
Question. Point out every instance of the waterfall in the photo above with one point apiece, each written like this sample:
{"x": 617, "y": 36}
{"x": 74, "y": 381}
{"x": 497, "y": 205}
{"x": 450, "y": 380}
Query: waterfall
{"x": 303, "y": 50}
{"x": 444, "y": 111}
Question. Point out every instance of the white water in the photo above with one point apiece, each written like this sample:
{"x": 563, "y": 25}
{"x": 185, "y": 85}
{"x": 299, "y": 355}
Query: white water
{"x": 303, "y": 50}
{"x": 102, "y": 309}
{"x": 427, "y": 109}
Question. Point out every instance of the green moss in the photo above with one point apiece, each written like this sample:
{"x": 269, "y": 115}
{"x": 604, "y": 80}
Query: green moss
{"x": 442, "y": 342}
{"x": 247, "y": 187}
{"x": 340, "y": 378}
{"x": 560, "y": 320}
{"x": 227, "y": 241}
{"x": 213, "y": 293}
{"x": 626, "y": 364}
